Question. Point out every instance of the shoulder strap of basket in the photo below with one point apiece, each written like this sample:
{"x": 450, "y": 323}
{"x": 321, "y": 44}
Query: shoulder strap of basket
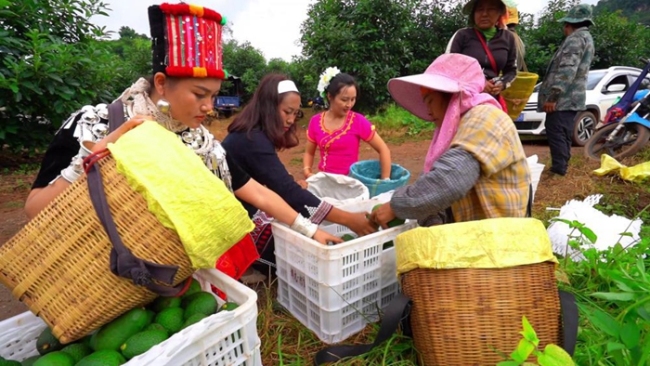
{"x": 487, "y": 51}
{"x": 399, "y": 309}
{"x": 115, "y": 115}
{"x": 123, "y": 262}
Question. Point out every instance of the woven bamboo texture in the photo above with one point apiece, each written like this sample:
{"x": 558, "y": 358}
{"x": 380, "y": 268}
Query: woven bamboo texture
{"x": 519, "y": 92}
{"x": 58, "y": 264}
{"x": 466, "y": 316}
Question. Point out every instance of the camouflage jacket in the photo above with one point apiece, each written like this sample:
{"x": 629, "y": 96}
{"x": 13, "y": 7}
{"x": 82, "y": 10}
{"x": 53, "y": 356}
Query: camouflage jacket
{"x": 566, "y": 76}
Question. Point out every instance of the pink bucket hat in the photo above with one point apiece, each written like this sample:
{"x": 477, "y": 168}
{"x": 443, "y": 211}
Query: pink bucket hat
{"x": 452, "y": 73}
{"x": 449, "y": 73}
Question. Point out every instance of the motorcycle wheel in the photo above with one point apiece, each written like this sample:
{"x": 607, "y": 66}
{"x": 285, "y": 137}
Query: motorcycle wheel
{"x": 628, "y": 141}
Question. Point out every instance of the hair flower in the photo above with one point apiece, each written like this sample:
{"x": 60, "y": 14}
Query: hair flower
{"x": 325, "y": 78}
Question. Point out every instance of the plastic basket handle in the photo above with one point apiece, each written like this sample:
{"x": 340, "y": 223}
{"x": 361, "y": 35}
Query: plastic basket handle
{"x": 122, "y": 261}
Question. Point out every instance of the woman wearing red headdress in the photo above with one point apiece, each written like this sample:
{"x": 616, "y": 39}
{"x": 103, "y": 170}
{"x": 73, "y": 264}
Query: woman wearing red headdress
{"x": 187, "y": 75}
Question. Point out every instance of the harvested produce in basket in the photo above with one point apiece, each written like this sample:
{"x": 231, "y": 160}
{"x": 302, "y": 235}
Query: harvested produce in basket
{"x": 171, "y": 319}
{"x": 228, "y": 306}
{"x": 162, "y": 303}
{"x": 154, "y": 326}
{"x": 347, "y": 237}
{"x": 27, "y": 362}
{"x": 47, "y": 342}
{"x": 4, "y": 362}
{"x": 140, "y": 343}
{"x": 102, "y": 358}
{"x": 195, "y": 287}
{"x": 56, "y": 358}
{"x": 200, "y": 302}
{"x": 193, "y": 319}
{"x": 112, "y": 335}
{"x": 77, "y": 351}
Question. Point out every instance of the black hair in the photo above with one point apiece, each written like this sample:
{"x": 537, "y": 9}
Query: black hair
{"x": 262, "y": 112}
{"x": 338, "y": 82}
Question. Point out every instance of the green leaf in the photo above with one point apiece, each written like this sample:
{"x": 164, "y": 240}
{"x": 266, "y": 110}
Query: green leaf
{"x": 630, "y": 335}
{"x": 523, "y": 351}
{"x": 508, "y": 363}
{"x": 568, "y": 222}
{"x": 605, "y": 322}
{"x": 614, "y": 346}
{"x": 588, "y": 233}
{"x": 528, "y": 332}
{"x": 615, "y": 296}
{"x": 554, "y": 356}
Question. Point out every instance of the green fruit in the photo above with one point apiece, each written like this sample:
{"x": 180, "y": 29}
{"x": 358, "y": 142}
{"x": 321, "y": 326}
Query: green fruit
{"x": 388, "y": 244}
{"x": 195, "y": 318}
{"x": 56, "y": 358}
{"x": 376, "y": 207}
{"x": 203, "y": 303}
{"x": 4, "y": 362}
{"x": 396, "y": 222}
{"x": 140, "y": 343}
{"x": 47, "y": 342}
{"x": 188, "y": 299}
{"x": 155, "y": 326}
{"x": 347, "y": 237}
{"x": 77, "y": 351}
{"x": 162, "y": 303}
{"x": 112, "y": 335}
{"x": 28, "y": 361}
{"x": 102, "y": 358}
{"x": 171, "y": 319}
{"x": 195, "y": 287}
{"x": 229, "y": 306}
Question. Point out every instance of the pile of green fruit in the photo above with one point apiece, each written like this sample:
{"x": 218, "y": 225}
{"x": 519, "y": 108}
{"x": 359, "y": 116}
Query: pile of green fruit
{"x": 394, "y": 222}
{"x": 131, "y": 334}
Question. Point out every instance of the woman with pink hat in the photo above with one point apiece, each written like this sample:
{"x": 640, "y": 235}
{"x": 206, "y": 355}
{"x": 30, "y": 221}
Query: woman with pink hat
{"x": 475, "y": 167}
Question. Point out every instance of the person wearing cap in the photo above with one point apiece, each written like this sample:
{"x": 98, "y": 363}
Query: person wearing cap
{"x": 264, "y": 126}
{"x": 512, "y": 21}
{"x": 562, "y": 93}
{"x": 476, "y": 167}
{"x": 489, "y": 43}
{"x": 187, "y": 75}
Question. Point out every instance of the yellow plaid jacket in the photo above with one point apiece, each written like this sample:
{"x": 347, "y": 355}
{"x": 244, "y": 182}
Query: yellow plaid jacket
{"x": 502, "y": 190}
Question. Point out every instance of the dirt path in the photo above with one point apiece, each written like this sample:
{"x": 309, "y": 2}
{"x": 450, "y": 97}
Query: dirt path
{"x": 14, "y": 189}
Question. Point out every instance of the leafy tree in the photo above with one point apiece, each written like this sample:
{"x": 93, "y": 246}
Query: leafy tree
{"x": 245, "y": 61}
{"x": 50, "y": 65}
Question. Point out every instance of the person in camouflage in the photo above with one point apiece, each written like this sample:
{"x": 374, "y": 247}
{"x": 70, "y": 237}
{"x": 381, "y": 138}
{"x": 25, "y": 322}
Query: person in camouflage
{"x": 562, "y": 94}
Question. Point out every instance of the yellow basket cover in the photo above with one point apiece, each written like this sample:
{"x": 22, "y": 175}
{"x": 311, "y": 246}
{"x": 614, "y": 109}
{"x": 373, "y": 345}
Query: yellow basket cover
{"x": 637, "y": 174}
{"x": 490, "y": 243}
{"x": 519, "y": 92}
{"x": 183, "y": 194}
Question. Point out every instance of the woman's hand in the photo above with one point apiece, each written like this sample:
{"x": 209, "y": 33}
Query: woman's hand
{"x": 303, "y": 183}
{"x": 113, "y": 136}
{"x": 383, "y": 215}
{"x": 325, "y": 238}
{"x": 492, "y": 88}
{"x": 360, "y": 224}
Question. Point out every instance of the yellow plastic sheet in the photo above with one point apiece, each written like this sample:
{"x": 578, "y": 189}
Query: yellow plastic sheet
{"x": 491, "y": 243}
{"x": 183, "y": 194}
{"x": 636, "y": 174}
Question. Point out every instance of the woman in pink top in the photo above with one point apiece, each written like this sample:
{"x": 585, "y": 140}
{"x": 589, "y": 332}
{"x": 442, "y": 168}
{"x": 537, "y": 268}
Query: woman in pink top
{"x": 338, "y": 132}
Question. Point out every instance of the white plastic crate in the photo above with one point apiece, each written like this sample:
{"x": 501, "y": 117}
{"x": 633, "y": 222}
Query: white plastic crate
{"x": 225, "y": 338}
{"x": 336, "y": 290}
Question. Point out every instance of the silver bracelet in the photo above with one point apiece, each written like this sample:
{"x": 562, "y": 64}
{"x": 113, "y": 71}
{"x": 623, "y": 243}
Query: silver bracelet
{"x": 73, "y": 171}
{"x": 304, "y": 226}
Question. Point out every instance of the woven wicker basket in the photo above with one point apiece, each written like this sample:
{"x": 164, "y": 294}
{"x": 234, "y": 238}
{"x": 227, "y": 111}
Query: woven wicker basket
{"x": 58, "y": 264}
{"x": 464, "y": 316}
{"x": 519, "y": 92}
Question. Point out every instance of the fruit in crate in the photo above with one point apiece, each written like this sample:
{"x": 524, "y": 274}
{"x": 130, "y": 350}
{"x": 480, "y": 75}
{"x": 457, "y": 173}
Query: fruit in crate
{"x": 347, "y": 237}
{"x": 47, "y": 342}
{"x": 56, "y": 358}
{"x": 141, "y": 342}
{"x": 4, "y": 362}
{"x": 392, "y": 223}
{"x": 112, "y": 335}
{"x": 104, "y": 357}
{"x": 200, "y": 303}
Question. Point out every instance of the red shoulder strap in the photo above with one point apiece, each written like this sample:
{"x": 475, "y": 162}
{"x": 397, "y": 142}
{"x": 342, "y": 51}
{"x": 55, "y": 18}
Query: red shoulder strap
{"x": 487, "y": 51}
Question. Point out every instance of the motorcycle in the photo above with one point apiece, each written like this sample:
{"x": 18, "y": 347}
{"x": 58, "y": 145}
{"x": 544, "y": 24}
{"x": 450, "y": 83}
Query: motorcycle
{"x": 626, "y": 127}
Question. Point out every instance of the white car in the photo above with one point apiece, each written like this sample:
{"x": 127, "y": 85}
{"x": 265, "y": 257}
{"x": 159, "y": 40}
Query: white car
{"x": 603, "y": 88}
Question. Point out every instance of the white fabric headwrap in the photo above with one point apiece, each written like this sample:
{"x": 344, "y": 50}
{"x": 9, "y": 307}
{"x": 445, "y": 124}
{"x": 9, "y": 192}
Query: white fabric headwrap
{"x": 287, "y": 86}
